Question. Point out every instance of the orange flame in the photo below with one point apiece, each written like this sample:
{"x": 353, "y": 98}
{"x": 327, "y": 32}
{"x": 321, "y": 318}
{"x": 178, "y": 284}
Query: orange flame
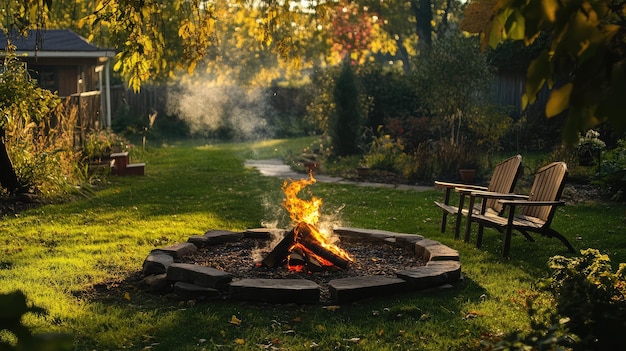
{"x": 300, "y": 210}
{"x": 306, "y": 213}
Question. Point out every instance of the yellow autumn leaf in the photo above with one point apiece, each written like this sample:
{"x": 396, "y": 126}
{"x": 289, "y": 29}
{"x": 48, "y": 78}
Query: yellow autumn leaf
{"x": 234, "y": 320}
{"x": 127, "y": 296}
{"x": 239, "y": 341}
{"x": 559, "y": 100}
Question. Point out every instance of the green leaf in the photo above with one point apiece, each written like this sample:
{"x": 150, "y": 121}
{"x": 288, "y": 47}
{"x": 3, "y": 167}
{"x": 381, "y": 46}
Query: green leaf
{"x": 538, "y": 72}
{"x": 516, "y": 25}
{"x": 559, "y": 100}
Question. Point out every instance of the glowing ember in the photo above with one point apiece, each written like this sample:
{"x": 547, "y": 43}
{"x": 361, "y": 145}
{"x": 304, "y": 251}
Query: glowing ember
{"x": 305, "y": 214}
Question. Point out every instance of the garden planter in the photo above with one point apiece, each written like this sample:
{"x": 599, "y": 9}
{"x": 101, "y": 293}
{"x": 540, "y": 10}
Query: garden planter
{"x": 467, "y": 175}
{"x": 363, "y": 171}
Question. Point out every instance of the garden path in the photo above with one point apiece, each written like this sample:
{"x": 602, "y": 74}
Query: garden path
{"x": 277, "y": 168}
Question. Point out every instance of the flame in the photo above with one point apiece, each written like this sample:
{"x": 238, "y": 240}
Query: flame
{"x": 301, "y": 210}
{"x": 305, "y": 213}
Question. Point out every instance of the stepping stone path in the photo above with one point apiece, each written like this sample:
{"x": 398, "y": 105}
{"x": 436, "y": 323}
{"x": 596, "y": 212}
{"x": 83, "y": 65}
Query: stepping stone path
{"x": 194, "y": 282}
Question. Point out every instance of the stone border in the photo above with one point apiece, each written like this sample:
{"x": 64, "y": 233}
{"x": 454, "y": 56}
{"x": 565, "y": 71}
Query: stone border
{"x": 194, "y": 282}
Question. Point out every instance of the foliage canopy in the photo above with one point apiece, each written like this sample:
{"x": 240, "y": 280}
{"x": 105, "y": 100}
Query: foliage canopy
{"x": 583, "y": 64}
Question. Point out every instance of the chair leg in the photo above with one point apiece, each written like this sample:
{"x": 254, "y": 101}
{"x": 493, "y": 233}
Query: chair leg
{"x": 507, "y": 242}
{"x": 459, "y": 217}
{"x": 468, "y": 225}
{"x": 509, "y": 231}
{"x": 479, "y": 236}
{"x": 444, "y": 218}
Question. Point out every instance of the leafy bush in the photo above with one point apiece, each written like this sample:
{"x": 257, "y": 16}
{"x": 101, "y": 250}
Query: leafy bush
{"x": 593, "y": 298}
{"x": 39, "y": 133}
{"x": 586, "y": 309}
{"x": 613, "y": 171}
{"x": 385, "y": 153}
{"x": 99, "y": 144}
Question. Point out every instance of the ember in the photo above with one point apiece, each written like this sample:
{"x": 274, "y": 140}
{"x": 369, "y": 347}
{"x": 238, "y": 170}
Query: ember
{"x": 305, "y": 247}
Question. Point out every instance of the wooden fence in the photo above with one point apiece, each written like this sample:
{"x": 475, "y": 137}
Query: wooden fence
{"x": 126, "y": 102}
{"x": 89, "y": 114}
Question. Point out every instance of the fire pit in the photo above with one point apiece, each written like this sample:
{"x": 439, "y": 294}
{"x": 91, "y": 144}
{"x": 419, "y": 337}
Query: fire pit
{"x": 305, "y": 266}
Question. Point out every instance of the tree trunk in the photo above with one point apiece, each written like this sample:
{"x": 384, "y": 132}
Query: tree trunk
{"x": 8, "y": 178}
{"x": 422, "y": 9}
{"x": 404, "y": 55}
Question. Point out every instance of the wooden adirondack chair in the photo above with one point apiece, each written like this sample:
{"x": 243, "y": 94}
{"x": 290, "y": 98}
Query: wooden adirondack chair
{"x": 503, "y": 180}
{"x": 537, "y": 209}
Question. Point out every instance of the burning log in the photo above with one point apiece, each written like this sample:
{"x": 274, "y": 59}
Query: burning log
{"x": 306, "y": 239}
{"x": 280, "y": 252}
{"x": 300, "y": 247}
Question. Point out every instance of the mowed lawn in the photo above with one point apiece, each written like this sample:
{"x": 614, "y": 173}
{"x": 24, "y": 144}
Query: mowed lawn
{"x": 76, "y": 260}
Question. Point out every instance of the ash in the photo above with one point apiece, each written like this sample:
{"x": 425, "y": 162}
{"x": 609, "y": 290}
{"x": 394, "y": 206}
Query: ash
{"x": 370, "y": 259}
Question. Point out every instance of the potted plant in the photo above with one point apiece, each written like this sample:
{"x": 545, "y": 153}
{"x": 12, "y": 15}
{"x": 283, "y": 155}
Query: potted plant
{"x": 589, "y": 147}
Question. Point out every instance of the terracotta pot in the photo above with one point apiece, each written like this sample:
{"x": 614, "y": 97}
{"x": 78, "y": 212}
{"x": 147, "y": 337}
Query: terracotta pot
{"x": 467, "y": 175}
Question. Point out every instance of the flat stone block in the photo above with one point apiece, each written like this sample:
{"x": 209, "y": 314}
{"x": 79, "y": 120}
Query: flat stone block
{"x": 452, "y": 268}
{"x": 188, "y": 291}
{"x": 198, "y": 240}
{"x": 375, "y": 235}
{"x": 156, "y": 283}
{"x": 179, "y": 250}
{"x": 222, "y": 236}
{"x": 264, "y": 233}
{"x": 433, "y": 274}
{"x": 421, "y": 245}
{"x": 200, "y": 275}
{"x": 440, "y": 253}
{"x": 156, "y": 263}
{"x": 355, "y": 288}
{"x": 408, "y": 240}
{"x": 300, "y": 291}
{"x": 360, "y": 234}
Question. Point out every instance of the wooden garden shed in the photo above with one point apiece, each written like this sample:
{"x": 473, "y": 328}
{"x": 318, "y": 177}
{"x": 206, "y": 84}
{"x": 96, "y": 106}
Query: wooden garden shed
{"x": 63, "y": 61}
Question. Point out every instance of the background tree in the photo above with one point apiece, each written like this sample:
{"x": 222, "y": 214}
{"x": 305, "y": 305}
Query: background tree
{"x": 346, "y": 120}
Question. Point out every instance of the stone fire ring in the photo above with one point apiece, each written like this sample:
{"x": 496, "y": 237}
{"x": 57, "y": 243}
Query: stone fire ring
{"x": 195, "y": 282}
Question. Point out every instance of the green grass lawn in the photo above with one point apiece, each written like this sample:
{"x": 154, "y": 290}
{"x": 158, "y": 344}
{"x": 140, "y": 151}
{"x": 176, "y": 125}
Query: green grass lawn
{"x": 72, "y": 259}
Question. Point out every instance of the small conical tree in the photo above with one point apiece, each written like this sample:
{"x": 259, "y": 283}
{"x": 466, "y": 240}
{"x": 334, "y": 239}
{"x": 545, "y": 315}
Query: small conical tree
{"x": 345, "y": 122}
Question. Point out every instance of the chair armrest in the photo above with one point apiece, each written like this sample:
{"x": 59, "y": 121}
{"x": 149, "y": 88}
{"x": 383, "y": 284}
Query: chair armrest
{"x": 494, "y": 195}
{"x": 458, "y": 185}
{"x": 468, "y": 190}
{"x": 532, "y": 203}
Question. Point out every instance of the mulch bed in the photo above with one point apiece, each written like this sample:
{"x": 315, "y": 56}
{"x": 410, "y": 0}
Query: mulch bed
{"x": 241, "y": 259}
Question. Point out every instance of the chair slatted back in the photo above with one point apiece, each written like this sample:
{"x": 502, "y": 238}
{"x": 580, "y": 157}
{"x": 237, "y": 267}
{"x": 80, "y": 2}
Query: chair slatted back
{"x": 503, "y": 180}
{"x": 548, "y": 186}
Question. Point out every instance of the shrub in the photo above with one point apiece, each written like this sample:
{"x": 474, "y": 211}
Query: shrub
{"x": 613, "y": 171}
{"x": 585, "y": 308}
{"x": 99, "y": 144}
{"x": 592, "y": 297}
{"x": 385, "y": 153}
{"x": 39, "y": 134}
{"x": 346, "y": 121}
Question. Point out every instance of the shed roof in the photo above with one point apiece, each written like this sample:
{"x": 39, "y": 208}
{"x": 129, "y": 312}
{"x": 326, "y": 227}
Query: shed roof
{"x": 54, "y": 43}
